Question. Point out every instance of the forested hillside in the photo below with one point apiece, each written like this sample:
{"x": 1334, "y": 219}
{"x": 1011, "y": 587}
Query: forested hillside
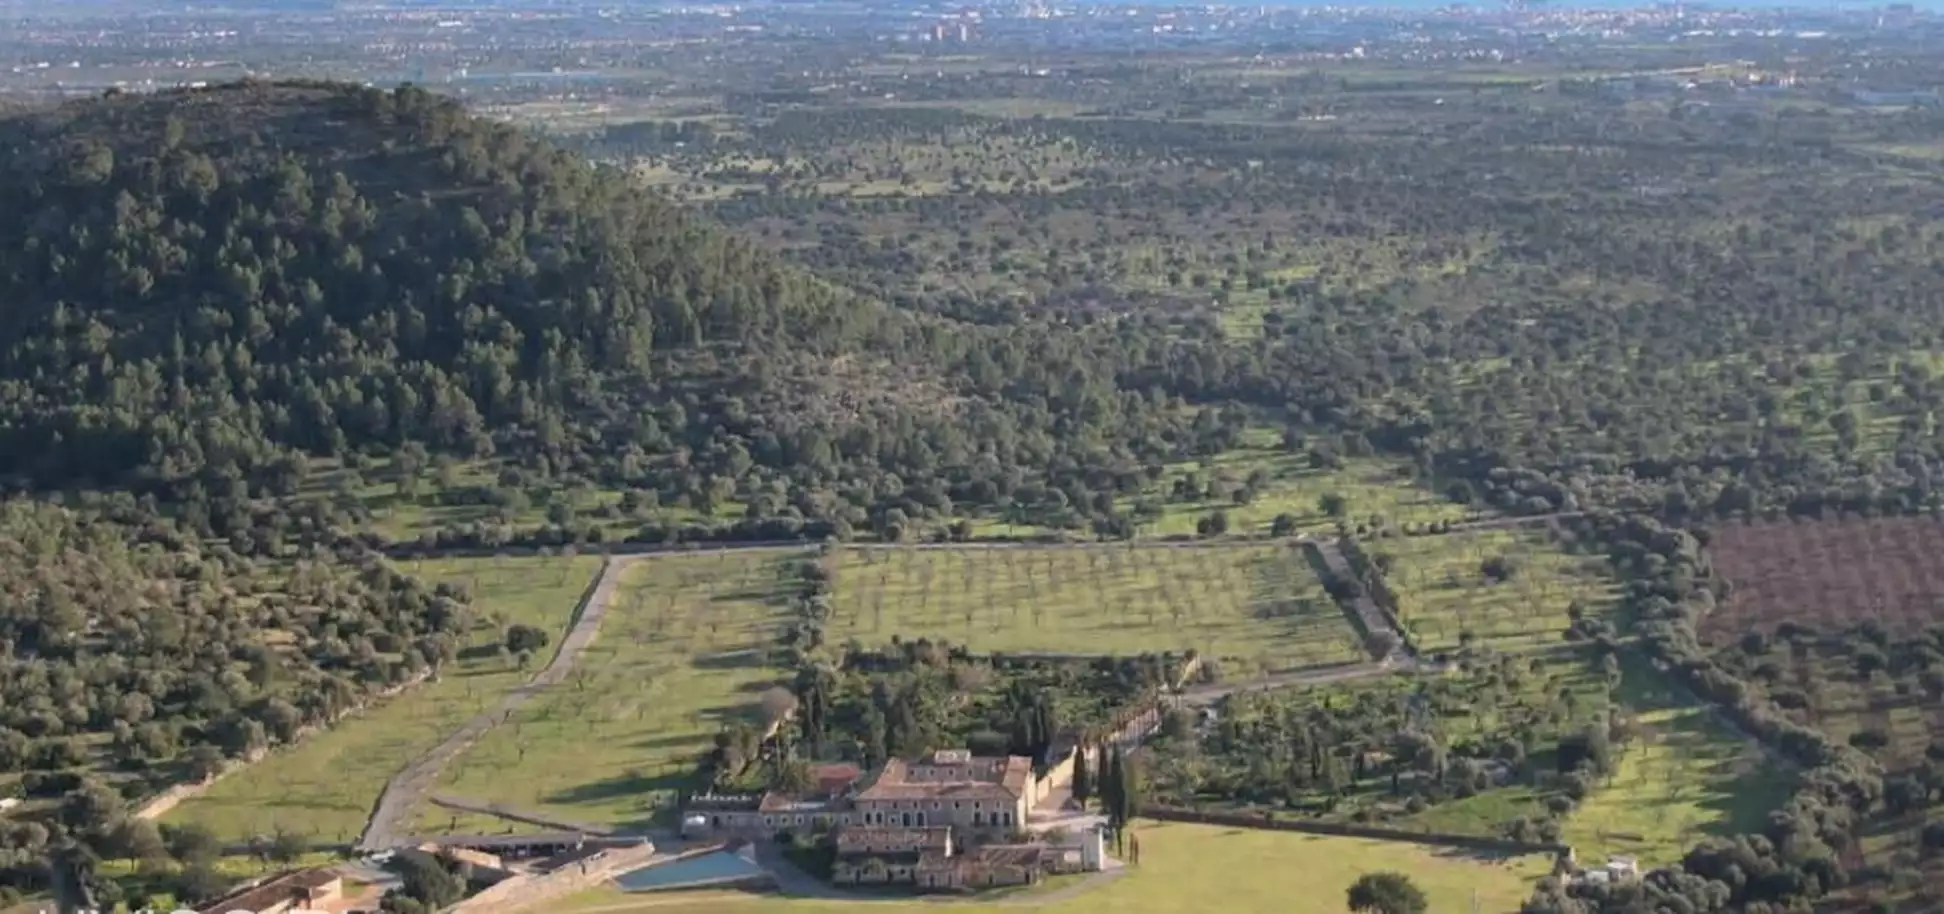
{"x": 210, "y": 289}
{"x": 132, "y": 659}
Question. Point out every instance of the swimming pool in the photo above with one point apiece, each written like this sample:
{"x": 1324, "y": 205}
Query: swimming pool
{"x": 715, "y": 866}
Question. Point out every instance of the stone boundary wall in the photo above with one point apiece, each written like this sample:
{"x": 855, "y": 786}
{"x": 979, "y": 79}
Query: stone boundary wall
{"x": 403, "y": 791}
{"x": 1344, "y": 830}
{"x": 162, "y": 803}
{"x": 527, "y": 892}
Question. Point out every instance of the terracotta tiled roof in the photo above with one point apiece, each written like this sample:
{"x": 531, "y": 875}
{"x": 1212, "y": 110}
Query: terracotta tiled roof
{"x": 971, "y": 779}
{"x": 279, "y": 890}
{"x": 1009, "y": 854}
{"x": 960, "y": 790}
{"x": 854, "y": 838}
{"x": 835, "y": 778}
{"x": 832, "y": 782}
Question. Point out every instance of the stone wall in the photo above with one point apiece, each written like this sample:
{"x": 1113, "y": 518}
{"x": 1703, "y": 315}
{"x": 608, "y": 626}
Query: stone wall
{"x": 1346, "y": 830}
{"x": 160, "y": 805}
{"x": 1132, "y": 729}
{"x": 522, "y": 893}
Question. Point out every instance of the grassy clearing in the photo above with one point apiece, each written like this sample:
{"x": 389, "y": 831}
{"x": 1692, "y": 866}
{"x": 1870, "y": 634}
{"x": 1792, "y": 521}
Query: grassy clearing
{"x": 1256, "y": 607}
{"x": 1369, "y": 487}
{"x": 1685, "y": 777}
{"x": 1193, "y": 868}
{"x": 684, "y": 647}
{"x": 456, "y": 494}
{"x": 1445, "y": 598}
{"x": 326, "y": 786}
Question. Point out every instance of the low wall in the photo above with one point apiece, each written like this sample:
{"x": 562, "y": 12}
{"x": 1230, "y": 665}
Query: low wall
{"x": 1344, "y": 830}
{"x": 525, "y": 892}
{"x": 162, "y": 803}
{"x": 1133, "y": 728}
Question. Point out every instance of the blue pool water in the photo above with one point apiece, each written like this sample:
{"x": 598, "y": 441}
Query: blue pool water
{"x": 709, "y": 867}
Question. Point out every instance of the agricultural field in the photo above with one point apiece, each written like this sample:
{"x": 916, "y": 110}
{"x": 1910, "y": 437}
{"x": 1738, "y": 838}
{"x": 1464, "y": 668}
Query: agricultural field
{"x": 1279, "y": 480}
{"x": 1879, "y": 692}
{"x": 405, "y": 502}
{"x": 1864, "y": 686}
{"x": 1509, "y": 589}
{"x": 325, "y": 786}
{"x": 1458, "y": 752}
{"x": 1828, "y": 575}
{"x": 1837, "y": 623}
{"x": 1182, "y": 867}
{"x": 1253, "y": 607}
{"x": 684, "y": 649}
{"x": 1478, "y": 751}
{"x": 1684, "y": 775}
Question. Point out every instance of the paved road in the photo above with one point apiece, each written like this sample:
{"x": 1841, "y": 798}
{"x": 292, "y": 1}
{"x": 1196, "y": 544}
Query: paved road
{"x": 404, "y": 790}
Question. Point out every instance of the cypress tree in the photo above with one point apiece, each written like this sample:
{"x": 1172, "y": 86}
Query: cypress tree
{"x": 1082, "y": 778}
{"x": 1128, "y": 793}
{"x": 1110, "y": 789}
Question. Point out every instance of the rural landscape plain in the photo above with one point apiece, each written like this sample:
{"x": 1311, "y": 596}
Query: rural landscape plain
{"x": 488, "y": 458}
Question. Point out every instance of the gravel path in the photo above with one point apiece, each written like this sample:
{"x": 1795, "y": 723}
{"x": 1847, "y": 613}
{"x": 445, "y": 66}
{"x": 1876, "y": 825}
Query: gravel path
{"x": 404, "y": 791}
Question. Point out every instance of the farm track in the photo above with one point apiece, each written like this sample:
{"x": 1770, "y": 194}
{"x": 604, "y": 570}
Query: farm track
{"x": 403, "y": 792}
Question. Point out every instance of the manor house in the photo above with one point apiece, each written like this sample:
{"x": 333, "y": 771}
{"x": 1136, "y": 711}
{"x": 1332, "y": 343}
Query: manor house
{"x": 978, "y": 797}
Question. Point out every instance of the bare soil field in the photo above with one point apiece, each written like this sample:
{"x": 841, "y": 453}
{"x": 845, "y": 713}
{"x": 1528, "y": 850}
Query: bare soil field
{"x": 1829, "y": 575}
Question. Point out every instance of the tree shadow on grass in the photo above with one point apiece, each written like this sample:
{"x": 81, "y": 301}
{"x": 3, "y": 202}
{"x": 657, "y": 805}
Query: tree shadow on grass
{"x": 741, "y": 659}
{"x": 745, "y": 713}
{"x": 633, "y": 784}
{"x": 670, "y": 742}
{"x": 1477, "y": 856}
{"x": 746, "y": 595}
{"x": 479, "y": 652}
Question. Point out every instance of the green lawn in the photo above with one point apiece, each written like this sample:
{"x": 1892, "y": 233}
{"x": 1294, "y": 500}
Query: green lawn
{"x": 1254, "y": 606}
{"x": 1443, "y": 593}
{"x": 1190, "y": 868}
{"x": 326, "y": 785}
{"x": 683, "y": 648}
{"x": 1686, "y": 776}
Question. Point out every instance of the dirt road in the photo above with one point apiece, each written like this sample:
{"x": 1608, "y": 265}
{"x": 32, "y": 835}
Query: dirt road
{"x": 404, "y": 791}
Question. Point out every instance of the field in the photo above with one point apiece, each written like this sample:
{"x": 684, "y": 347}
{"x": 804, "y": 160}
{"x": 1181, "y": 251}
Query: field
{"x": 1291, "y": 748}
{"x": 1370, "y": 488}
{"x": 1835, "y": 622}
{"x": 1683, "y": 777}
{"x": 684, "y": 647}
{"x": 325, "y": 786}
{"x": 1446, "y": 598}
{"x": 1186, "y": 867}
{"x": 1259, "y": 607}
{"x": 1829, "y": 575}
